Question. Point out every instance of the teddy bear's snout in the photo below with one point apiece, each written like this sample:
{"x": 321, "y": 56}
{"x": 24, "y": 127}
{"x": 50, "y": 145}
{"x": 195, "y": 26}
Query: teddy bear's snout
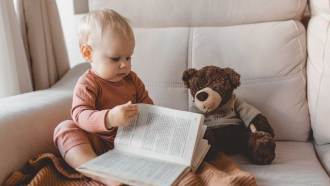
{"x": 202, "y": 96}
{"x": 206, "y": 99}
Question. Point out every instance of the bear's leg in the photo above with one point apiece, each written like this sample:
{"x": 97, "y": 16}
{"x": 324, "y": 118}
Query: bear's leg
{"x": 229, "y": 139}
{"x": 261, "y": 147}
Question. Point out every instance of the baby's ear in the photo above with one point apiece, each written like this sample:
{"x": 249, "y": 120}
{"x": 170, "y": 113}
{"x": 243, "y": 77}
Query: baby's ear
{"x": 233, "y": 76}
{"x": 187, "y": 75}
{"x": 86, "y": 52}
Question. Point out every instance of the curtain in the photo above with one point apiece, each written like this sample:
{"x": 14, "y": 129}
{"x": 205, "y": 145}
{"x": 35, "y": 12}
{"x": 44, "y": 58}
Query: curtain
{"x": 33, "y": 54}
{"x": 44, "y": 41}
{"x": 15, "y": 77}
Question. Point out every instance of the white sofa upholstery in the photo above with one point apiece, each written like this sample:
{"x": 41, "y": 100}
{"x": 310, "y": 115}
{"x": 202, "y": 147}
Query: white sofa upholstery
{"x": 27, "y": 121}
{"x": 263, "y": 40}
{"x": 171, "y": 13}
{"x": 319, "y": 70}
{"x": 319, "y": 77}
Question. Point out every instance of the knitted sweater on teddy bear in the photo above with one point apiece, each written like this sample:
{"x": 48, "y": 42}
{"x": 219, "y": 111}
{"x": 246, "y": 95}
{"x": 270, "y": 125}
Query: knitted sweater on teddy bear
{"x": 233, "y": 112}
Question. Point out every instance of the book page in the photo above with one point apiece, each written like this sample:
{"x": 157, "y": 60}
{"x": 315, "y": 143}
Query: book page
{"x": 201, "y": 151}
{"x": 162, "y": 133}
{"x": 201, "y": 134}
{"x": 133, "y": 169}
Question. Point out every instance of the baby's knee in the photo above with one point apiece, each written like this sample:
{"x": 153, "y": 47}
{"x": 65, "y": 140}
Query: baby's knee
{"x": 67, "y": 135}
{"x": 62, "y": 127}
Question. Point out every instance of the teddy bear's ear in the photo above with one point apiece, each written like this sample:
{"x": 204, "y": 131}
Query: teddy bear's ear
{"x": 187, "y": 75}
{"x": 234, "y": 77}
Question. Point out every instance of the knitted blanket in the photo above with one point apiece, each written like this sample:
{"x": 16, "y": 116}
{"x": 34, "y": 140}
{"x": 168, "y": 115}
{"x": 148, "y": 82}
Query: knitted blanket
{"x": 48, "y": 169}
{"x": 51, "y": 170}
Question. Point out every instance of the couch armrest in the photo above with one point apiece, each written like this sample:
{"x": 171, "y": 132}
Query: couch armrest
{"x": 27, "y": 122}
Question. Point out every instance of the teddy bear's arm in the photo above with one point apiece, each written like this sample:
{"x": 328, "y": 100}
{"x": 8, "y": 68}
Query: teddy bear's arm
{"x": 252, "y": 117}
{"x": 245, "y": 111}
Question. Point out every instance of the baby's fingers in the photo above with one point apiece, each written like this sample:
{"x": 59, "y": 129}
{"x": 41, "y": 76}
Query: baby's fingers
{"x": 130, "y": 108}
{"x": 129, "y": 120}
{"x": 131, "y": 113}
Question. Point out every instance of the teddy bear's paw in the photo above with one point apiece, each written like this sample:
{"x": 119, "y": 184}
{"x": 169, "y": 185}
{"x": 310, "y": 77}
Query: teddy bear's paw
{"x": 261, "y": 148}
{"x": 260, "y": 123}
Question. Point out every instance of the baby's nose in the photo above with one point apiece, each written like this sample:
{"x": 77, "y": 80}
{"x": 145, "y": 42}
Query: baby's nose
{"x": 123, "y": 64}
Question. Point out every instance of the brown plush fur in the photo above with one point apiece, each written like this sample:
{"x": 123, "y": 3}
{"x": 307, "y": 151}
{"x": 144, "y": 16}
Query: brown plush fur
{"x": 259, "y": 145}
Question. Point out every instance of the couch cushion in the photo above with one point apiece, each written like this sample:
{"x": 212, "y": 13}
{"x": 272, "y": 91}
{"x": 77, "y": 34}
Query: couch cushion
{"x": 160, "y": 13}
{"x": 318, "y": 73}
{"x": 319, "y": 7}
{"x": 271, "y": 59}
{"x": 296, "y": 164}
{"x": 159, "y": 59}
{"x": 323, "y": 152}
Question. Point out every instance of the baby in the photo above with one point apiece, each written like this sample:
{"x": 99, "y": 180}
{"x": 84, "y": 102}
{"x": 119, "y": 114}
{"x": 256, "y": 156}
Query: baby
{"x": 105, "y": 95}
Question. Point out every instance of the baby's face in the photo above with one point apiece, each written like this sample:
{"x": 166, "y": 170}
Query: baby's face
{"x": 111, "y": 60}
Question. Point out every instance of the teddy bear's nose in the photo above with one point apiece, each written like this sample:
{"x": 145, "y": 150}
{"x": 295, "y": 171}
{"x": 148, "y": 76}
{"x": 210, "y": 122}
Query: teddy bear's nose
{"x": 202, "y": 96}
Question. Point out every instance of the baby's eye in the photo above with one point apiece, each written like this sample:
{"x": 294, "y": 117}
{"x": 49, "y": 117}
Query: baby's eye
{"x": 116, "y": 59}
{"x": 128, "y": 58}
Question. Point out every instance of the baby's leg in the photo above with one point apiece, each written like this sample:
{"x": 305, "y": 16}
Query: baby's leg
{"x": 75, "y": 147}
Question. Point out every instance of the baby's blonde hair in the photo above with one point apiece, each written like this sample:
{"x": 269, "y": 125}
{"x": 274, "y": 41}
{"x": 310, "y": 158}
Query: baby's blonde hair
{"x": 93, "y": 25}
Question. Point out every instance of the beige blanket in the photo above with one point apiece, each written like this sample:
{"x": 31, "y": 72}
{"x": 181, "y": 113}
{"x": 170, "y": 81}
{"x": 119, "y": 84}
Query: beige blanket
{"x": 48, "y": 169}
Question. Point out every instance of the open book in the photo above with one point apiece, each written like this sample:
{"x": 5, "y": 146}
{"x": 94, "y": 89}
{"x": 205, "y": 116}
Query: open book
{"x": 158, "y": 148}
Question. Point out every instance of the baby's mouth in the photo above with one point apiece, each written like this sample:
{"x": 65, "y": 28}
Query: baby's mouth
{"x": 121, "y": 74}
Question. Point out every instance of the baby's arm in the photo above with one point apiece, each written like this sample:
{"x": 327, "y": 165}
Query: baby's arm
{"x": 84, "y": 111}
{"x": 121, "y": 115}
{"x": 252, "y": 117}
{"x": 86, "y": 115}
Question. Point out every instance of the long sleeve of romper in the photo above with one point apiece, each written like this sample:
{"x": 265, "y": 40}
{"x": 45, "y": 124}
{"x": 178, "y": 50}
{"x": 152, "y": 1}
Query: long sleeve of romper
{"x": 84, "y": 111}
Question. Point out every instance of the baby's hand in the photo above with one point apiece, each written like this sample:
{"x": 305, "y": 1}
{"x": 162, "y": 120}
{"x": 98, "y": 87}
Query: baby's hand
{"x": 121, "y": 115}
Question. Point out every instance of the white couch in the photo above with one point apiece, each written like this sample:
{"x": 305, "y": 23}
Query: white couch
{"x": 263, "y": 40}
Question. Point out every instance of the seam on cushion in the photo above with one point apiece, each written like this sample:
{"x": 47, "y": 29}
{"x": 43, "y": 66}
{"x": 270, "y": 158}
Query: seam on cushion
{"x": 322, "y": 73}
{"x": 271, "y": 80}
{"x": 189, "y": 62}
{"x": 313, "y": 66}
{"x": 172, "y": 84}
{"x": 179, "y": 84}
{"x": 295, "y": 24}
{"x": 300, "y": 5}
{"x": 190, "y": 46}
{"x": 275, "y": 78}
{"x": 297, "y": 10}
{"x": 301, "y": 52}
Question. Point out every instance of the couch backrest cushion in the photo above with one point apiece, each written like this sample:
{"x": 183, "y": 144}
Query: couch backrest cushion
{"x": 159, "y": 58}
{"x": 270, "y": 57}
{"x": 169, "y": 13}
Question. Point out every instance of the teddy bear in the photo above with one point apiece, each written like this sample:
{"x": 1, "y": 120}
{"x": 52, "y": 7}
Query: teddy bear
{"x": 233, "y": 125}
